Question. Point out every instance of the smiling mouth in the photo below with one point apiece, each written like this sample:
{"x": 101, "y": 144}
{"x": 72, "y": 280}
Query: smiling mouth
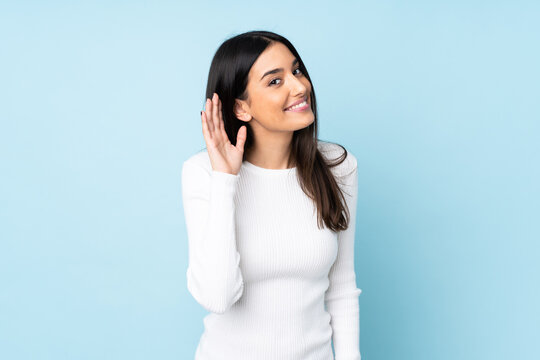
{"x": 298, "y": 107}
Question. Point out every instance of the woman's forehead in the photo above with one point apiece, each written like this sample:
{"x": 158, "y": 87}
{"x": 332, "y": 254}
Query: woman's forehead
{"x": 274, "y": 57}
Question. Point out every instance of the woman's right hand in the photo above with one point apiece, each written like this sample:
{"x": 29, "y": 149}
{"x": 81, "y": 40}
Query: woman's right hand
{"x": 224, "y": 156}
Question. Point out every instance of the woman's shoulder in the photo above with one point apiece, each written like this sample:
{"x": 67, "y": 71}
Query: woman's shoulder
{"x": 333, "y": 152}
{"x": 200, "y": 159}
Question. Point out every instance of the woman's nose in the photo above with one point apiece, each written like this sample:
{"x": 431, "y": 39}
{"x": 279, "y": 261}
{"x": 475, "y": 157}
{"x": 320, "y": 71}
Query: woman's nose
{"x": 297, "y": 85}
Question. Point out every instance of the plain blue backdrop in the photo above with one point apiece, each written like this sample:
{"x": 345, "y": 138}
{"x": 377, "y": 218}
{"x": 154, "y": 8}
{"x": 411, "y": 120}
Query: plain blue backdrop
{"x": 99, "y": 107}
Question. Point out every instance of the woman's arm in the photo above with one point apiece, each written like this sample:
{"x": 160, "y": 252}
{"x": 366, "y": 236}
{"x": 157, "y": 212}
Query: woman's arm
{"x": 341, "y": 297}
{"x": 214, "y": 277}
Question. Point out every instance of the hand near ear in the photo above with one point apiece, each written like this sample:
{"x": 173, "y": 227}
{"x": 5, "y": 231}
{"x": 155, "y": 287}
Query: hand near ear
{"x": 224, "y": 156}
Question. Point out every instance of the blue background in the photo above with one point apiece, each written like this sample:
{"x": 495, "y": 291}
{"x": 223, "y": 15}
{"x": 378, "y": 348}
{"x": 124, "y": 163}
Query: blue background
{"x": 99, "y": 107}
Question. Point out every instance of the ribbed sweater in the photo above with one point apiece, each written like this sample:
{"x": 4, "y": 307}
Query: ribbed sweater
{"x": 277, "y": 287}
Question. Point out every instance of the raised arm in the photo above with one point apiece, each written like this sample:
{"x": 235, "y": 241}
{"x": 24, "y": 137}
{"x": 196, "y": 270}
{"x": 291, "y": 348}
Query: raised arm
{"x": 341, "y": 297}
{"x": 214, "y": 277}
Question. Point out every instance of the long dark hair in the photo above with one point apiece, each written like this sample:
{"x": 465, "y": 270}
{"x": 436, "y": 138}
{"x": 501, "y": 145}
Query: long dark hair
{"x": 228, "y": 77}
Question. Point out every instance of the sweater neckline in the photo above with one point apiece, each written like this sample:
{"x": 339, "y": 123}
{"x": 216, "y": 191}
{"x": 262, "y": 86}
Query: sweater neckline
{"x": 262, "y": 170}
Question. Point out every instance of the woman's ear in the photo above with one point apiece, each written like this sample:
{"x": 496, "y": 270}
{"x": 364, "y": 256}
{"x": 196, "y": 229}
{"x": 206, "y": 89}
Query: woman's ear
{"x": 239, "y": 110}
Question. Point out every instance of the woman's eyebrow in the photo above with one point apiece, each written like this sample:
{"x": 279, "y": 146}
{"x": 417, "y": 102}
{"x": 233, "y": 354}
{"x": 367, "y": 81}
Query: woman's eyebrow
{"x": 295, "y": 61}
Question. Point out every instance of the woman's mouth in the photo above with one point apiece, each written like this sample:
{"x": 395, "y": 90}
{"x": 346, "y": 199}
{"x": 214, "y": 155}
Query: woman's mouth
{"x": 298, "y": 108}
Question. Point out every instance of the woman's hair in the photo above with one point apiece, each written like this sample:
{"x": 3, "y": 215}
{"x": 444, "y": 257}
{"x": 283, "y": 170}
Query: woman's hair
{"x": 228, "y": 77}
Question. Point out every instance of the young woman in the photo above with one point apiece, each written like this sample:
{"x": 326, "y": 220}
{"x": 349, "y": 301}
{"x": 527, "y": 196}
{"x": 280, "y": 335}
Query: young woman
{"x": 270, "y": 213}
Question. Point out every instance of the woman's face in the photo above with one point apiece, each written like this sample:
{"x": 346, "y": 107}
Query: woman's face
{"x": 269, "y": 94}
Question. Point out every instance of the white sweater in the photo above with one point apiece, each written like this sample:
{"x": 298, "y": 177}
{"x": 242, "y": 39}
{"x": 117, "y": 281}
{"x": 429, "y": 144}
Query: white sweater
{"x": 277, "y": 287}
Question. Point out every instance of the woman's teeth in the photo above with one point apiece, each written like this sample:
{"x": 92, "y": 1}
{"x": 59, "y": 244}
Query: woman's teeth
{"x": 302, "y": 104}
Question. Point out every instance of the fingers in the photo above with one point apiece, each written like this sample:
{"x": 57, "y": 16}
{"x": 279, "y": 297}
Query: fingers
{"x": 220, "y": 120}
{"x": 221, "y": 114}
{"x": 208, "y": 115}
{"x": 206, "y": 132}
{"x": 241, "y": 138}
{"x": 215, "y": 112}
{"x": 212, "y": 118}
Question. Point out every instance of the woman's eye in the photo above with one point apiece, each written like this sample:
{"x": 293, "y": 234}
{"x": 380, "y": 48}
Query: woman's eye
{"x": 272, "y": 82}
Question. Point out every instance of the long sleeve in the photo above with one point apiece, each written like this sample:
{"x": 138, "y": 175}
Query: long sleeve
{"x": 214, "y": 277}
{"x": 341, "y": 297}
